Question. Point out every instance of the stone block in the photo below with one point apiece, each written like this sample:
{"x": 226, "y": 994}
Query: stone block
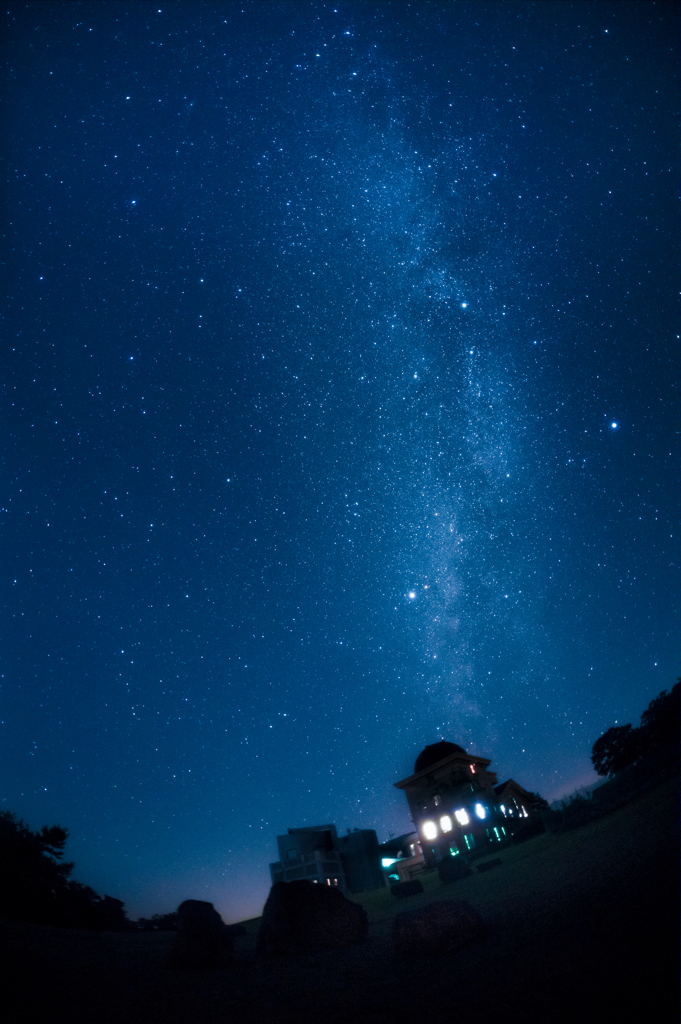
{"x": 202, "y": 940}
{"x": 451, "y": 869}
{"x": 301, "y": 917}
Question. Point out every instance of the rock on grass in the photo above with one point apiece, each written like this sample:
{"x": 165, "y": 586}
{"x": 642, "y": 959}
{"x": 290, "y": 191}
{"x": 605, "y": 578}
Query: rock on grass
{"x": 301, "y": 917}
{"x": 202, "y": 940}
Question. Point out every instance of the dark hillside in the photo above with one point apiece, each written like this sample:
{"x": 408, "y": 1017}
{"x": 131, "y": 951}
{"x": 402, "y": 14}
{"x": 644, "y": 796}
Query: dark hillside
{"x": 581, "y": 925}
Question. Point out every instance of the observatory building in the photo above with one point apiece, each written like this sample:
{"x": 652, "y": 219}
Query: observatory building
{"x": 457, "y": 805}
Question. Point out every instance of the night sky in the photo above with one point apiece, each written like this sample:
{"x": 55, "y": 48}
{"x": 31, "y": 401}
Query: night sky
{"x": 340, "y": 368}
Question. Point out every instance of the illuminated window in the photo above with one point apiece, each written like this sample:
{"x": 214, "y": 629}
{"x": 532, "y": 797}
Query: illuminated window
{"x": 454, "y": 851}
{"x": 429, "y": 829}
{"x": 328, "y": 881}
{"x": 387, "y": 862}
{"x": 461, "y": 816}
{"x": 480, "y": 811}
{"x": 446, "y": 823}
{"x": 503, "y": 830}
{"x": 469, "y": 840}
{"x": 496, "y": 833}
{"x": 503, "y": 810}
{"x": 472, "y": 768}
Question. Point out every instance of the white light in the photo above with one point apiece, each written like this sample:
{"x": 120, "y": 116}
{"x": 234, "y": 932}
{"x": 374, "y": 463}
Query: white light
{"x": 503, "y": 810}
{"x": 461, "y": 816}
{"x": 412, "y": 595}
{"x": 480, "y": 811}
{"x": 463, "y": 305}
{"x": 429, "y": 829}
{"x": 386, "y": 862}
{"x": 446, "y": 823}
{"x": 614, "y": 426}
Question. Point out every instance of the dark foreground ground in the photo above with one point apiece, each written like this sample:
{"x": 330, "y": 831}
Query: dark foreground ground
{"x": 582, "y": 926}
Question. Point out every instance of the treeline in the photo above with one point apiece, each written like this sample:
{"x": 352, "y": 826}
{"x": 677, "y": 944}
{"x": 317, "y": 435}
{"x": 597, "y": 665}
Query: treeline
{"x": 659, "y": 734}
{"x": 35, "y": 885}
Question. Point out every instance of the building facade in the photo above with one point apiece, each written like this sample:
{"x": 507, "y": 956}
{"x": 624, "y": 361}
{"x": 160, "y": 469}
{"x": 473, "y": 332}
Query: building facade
{"x": 453, "y": 803}
{"x": 514, "y": 801}
{"x": 319, "y": 854}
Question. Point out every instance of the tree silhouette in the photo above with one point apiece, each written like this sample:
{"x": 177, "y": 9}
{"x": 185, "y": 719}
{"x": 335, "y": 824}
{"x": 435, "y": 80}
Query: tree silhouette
{"x": 32, "y": 874}
{"x": 661, "y": 720}
{"x": 616, "y": 749}
{"x": 622, "y": 745}
{"x": 35, "y": 884}
{"x": 537, "y": 802}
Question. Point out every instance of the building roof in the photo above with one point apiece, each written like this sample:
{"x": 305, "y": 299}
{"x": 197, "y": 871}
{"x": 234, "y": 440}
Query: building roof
{"x": 397, "y": 843}
{"x": 509, "y": 786}
{"x": 435, "y": 752}
{"x": 312, "y": 828}
{"x": 456, "y": 758}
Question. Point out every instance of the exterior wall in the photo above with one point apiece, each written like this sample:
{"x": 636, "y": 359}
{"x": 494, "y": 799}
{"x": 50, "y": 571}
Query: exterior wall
{"x": 361, "y": 861}
{"x": 299, "y": 842}
{"x": 310, "y": 853}
{"x": 513, "y": 800}
{"x": 351, "y": 862}
{"x": 404, "y": 858}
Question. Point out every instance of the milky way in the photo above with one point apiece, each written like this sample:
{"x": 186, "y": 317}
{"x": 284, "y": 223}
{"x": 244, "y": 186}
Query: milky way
{"x": 340, "y": 396}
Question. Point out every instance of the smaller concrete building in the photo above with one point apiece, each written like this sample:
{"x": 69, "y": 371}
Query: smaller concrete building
{"x": 319, "y": 854}
{"x": 402, "y": 858}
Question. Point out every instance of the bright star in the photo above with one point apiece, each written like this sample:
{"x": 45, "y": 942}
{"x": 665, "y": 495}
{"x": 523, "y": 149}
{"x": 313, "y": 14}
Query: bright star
{"x": 613, "y": 425}
{"x": 412, "y": 595}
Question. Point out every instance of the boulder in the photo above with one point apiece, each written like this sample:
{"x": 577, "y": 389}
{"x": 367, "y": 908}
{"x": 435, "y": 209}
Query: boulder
{"x": 437, "y": 928}
{"x": 410, "y": 888}
{"x": 202, "y": 940}
{"x": 236, "y": 931}
{"x": 300, "y": 917}
{"x": 451, "y": 869}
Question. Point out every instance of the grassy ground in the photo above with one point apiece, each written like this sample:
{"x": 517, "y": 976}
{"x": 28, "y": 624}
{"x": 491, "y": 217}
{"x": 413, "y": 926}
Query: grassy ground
{"x": 580, "y": 924}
